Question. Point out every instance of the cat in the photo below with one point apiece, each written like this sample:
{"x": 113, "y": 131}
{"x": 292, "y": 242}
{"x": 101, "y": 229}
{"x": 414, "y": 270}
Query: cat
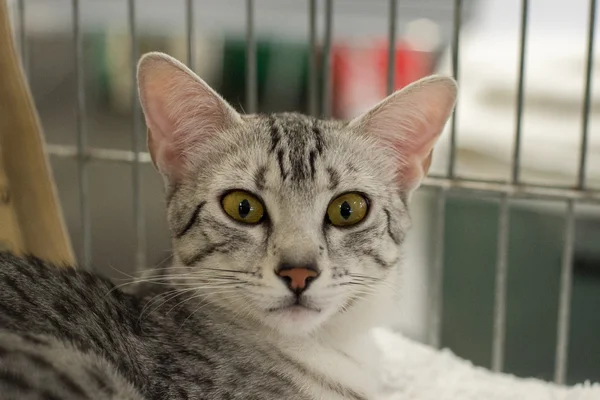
{"x": 287, "y": 234}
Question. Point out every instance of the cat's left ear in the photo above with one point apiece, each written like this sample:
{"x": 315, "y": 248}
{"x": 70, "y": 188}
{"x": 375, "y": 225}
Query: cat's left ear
{"x": 409, "y": 123}
{"x": 182, "y": 113}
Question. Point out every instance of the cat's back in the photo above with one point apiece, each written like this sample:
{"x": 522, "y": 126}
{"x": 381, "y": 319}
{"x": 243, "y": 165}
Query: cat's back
{"x": 72, "y": 306}
{"x": 78, "y": 325}
{"x": 64, "y": 333}
{"x": 38, "y": 297}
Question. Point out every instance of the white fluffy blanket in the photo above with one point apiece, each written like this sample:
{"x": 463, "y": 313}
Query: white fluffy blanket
{"x": 413, "y": 371}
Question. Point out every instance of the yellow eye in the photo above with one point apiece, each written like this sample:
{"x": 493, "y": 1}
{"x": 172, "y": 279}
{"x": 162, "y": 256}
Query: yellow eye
{"x": 347, "y": 209}
{"x": 243, "y": 207}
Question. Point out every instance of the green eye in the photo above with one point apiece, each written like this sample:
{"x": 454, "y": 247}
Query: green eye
{"x": 347, "y": 209}
{"x": 243, "y": 207}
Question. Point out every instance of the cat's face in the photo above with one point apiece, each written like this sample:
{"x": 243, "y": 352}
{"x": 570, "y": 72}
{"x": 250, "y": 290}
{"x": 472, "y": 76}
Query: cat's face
{"x": 285, "y": 218}
{"x": 295, "y": 169}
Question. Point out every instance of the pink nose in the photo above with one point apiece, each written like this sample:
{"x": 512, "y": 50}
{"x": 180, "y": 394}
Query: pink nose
{"x": 297, "y": 278}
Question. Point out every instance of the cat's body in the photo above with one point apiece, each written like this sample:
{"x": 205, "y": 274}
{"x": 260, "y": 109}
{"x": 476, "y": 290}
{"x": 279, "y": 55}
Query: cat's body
{"x": 111, "y": 343}
{"x": 287, "y": 234}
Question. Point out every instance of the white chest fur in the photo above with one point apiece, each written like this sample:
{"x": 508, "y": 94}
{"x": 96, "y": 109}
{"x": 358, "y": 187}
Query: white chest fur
{"x": 345, "y": 354}
{"x": 345, "y": 369}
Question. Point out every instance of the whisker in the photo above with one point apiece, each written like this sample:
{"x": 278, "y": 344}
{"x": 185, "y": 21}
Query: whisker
{"x": 207, "y": 302}
{"x": 225, "y": 270}
{"x": 204, "y": 294}
{"x": 170, "y": 294}
{"x": 171, "y": 280}
{"x": 372, "y": 278}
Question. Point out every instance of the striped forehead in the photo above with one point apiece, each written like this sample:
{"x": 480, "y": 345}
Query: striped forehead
{"x": 297, "y": 143}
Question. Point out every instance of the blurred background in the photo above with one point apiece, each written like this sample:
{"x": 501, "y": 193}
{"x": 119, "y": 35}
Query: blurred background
{"x": 485, "y": 123}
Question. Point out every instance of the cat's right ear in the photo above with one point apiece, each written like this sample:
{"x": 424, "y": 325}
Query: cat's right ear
{"x": 181, "y": 112}
{"x": 409, "y": 122}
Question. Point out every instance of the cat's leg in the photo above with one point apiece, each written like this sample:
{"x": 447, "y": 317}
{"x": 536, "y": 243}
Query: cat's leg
{"x": 40, "y": 367}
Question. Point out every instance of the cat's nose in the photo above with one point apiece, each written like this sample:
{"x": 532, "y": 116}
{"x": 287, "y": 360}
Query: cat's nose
{"x": 297, "y": 277}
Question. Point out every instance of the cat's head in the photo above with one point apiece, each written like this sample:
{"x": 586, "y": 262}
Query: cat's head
{"x": 284, "y": 218}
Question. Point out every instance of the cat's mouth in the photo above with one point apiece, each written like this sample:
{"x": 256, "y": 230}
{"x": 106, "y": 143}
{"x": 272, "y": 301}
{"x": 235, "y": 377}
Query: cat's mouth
{"x": 295, "y": 306}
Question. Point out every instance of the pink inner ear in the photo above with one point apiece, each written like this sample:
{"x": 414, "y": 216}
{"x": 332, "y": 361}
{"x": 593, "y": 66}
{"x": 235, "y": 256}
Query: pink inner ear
{"x": 410, "y": 122}
{"x": 411, "y": 130}
{"x": 158, "y": 81}
{"x": 416, "y": 163}
{"x": 181, "y": 112}
{"x": 162, "y": 126}
{"x": 164, "y": 155}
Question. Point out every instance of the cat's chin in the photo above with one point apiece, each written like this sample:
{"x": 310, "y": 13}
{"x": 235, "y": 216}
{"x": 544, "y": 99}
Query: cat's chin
{"x": 295, "y": 320}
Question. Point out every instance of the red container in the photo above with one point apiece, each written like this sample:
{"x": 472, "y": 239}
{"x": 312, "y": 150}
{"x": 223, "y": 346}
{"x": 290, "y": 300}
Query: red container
{"x": 360, "y": 74}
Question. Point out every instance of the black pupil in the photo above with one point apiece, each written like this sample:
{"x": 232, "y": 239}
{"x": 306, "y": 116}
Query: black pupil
{"x": 244, "y": 208}
{"x": 345, "y": 210}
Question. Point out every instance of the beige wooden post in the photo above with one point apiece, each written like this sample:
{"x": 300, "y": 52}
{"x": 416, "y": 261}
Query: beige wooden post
{"x": 30, "y": 216}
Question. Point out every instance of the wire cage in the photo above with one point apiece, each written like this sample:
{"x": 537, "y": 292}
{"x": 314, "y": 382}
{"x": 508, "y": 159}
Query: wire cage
{"x": 320, "y": 16}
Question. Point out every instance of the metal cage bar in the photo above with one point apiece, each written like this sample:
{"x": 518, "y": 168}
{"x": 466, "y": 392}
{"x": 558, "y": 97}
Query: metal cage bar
{"x": 455, "y": 54}
{"x": 82, "y": 140}
{"x": 326, "y": 71}
{"x": 138, "y": 205}
{"x": 437, "y": 272}
{"x": 516, "y": 157}
{"x": 392, "y": 29}
{"x": 499, "y": 329}
{"x": 587, "y": 94}
{"x": 564, "y": 308}
{"x": 190, "y": 34}
{"x": 313, "y": 69}
{"x": 251, "y": 83}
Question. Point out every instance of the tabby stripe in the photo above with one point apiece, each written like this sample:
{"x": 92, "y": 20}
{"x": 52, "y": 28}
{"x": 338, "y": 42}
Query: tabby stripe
{"x": 61, "y": 330}
{"x": 312, "y": 158}
{"x": 259, "y": 177}
{"x": 100, "y": 382}
{"x": 42, "y": 269}
{"x": 17, "y": 289}
{"x": 360, "y": 236}
{"x": 84, "y": 297}
{"x": 31, "y": 338}
{"x": 49, "y": 396}
{"x": 14, "y": 314}
{"x": 334, "y": 178}
{"x": 27, "y": 273}
{"x": 100, "y": 345}
{"x": 395, "y": 238}
{"x": 318, "y": 136}
{"x": 282, "y": 170}
{"x": 192, "y": 220}
{"x": 210, "y": 249}
{"x": 275, "y": 134}
{"x": 67, "y": 382}
{"x": 64, "y": 310}
{"x": 44, "y": 364}
{"x": 378, "y": 260}
{"x": 182, "y": 394}
{"x": 14, "y": 380}
{"x": 217, "y": 226}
